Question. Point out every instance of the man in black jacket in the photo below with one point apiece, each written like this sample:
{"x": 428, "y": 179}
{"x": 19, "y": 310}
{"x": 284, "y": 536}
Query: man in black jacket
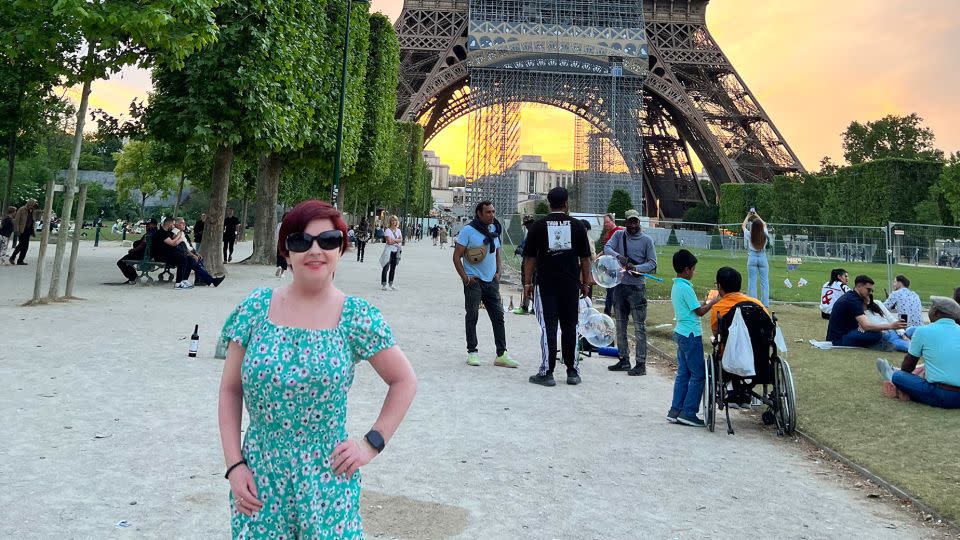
{"x": 136, "y": 253}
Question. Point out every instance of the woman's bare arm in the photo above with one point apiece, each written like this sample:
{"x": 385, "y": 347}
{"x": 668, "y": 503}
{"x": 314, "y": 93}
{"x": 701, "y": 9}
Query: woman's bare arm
{"x": 230, "y": 409}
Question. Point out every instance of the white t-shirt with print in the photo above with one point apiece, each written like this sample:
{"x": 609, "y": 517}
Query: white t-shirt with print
{"x": 395, "y": 235}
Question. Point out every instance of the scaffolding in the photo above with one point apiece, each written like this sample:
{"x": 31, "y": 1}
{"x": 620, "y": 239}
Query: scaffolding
{"x": 587, "y": 57}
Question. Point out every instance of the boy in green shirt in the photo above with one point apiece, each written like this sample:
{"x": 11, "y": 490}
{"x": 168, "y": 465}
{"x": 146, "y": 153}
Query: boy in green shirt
{"x": 688, "y": 386}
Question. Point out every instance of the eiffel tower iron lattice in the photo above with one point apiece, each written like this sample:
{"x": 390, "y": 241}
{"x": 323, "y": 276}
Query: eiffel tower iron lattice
{"x": 674, "y": 90}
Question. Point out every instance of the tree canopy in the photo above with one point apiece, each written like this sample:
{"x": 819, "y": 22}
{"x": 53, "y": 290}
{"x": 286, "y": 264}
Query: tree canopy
{"x": 892, "y": 136}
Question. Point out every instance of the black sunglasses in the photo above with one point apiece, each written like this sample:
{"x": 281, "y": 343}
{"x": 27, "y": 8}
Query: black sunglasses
{"x": 300, "y": 242}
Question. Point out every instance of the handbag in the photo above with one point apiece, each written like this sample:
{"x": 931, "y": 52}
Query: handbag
{"x": 738, "y": 352}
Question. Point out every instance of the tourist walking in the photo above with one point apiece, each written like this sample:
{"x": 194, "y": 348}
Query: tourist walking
{"x": 6, "y": 229}
{"x": 291, "y": 358}
{"x": 557, "y": 246}
{"x": 755, "y": 239}
{"x": 231, "y": 227}
{"x": 23, "y": 225}
{"x": 390, "y": 257}
{"x": 363, "y": 235}
{"x": 477, "y": 259}
{"x": 637, "y": 255}
{"x": 443, "y": 236}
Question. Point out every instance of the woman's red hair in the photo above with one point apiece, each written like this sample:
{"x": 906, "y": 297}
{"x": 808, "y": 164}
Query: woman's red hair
{"x": 296, "y": 221}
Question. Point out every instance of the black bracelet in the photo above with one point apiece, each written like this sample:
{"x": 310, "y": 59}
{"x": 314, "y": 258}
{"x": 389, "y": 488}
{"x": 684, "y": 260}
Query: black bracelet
{"x": 234, "y": 466}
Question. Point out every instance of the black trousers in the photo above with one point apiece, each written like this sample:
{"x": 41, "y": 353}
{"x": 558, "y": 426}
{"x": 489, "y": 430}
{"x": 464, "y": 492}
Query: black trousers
{"x": 183, "y": 265}
{"x": 228, "y": 246}
{"x": 557, "y": 307}
{"x": 391, "y": 267}
{"x": 20, "y": 252}
{"x": 361, "y": 247}
{"x": 128, "y": 271}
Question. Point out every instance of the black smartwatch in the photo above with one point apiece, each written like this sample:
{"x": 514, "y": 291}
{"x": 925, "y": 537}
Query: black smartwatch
{"x": 376, "y": 440}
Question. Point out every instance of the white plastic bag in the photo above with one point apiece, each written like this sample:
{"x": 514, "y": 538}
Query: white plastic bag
{"x": 738, "y": 353}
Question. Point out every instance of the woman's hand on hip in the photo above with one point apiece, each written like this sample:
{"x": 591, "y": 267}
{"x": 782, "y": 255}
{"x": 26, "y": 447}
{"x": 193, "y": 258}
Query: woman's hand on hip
{"x": 244, "y": 489}
{"x": 350, "y": 455}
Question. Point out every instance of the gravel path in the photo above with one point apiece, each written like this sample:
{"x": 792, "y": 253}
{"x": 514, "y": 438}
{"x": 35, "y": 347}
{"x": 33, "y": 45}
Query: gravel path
{"x": 108, "y": 420}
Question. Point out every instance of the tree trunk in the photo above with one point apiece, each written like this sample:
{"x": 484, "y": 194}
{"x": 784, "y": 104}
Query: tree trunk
{"x": 210, "y": 248}
{"x": 11, "y": 157}
{"x": 243, "y": 220}
{"x": 71, "y": 185}
{"x": 176, "y": 205}
{"x": 265, "y": 211}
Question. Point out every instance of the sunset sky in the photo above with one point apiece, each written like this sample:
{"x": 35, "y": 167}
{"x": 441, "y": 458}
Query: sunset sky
{"x": 814, "y": 66}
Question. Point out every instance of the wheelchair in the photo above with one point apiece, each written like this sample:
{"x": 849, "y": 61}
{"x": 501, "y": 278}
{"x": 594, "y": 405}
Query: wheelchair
{"x": 773, "y": 383}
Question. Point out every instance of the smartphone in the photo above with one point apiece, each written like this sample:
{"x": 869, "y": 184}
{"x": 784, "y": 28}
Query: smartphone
{"x": 903, "y": 317}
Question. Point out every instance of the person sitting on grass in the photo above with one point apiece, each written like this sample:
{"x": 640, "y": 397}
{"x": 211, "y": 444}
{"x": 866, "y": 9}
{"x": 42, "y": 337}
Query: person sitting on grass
{"x": 688, "y": 385}
{"x": 878, "y": 313}
{"x": 833, "y": 290}
{"x": 938, "y": 344}
{"x": 849, "y": 325}
{"x": 905, "y": 302}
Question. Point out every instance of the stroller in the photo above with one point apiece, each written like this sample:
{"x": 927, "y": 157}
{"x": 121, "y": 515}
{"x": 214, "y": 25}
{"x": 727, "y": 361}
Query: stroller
{"x": 773, "y": 383}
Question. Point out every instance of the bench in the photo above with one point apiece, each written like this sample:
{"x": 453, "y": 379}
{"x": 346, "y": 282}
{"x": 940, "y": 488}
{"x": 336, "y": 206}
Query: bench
{"x": 146, "y": 265}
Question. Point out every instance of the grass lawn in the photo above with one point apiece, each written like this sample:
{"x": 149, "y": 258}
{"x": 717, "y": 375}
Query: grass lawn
{"x": 925, "y": 280}
{"x": 839, "y": 403}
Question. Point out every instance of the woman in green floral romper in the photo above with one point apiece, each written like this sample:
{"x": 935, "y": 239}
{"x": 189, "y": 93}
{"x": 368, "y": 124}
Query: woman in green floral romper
{"x": 291, "y": 359}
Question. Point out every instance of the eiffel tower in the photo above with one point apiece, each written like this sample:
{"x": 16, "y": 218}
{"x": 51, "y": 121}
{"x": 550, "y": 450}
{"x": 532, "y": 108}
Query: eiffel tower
{"x": 675, "y": 90}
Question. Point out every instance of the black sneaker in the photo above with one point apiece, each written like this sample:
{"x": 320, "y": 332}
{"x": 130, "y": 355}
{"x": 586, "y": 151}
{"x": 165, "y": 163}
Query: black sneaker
{"x": 218, "y": 280}
{"x": 672, "y": 415}
{"x": 573, "y": 378}
{"x": 543, "y": 380}
{"x": 622, "y": 365}
{"x": 694, "y": 420}
{"x": 640, "y": 369}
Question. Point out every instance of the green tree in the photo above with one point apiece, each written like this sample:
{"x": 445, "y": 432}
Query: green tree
{"x": 950, "y": 185}
{"x": 620, "y": 202}
{"x": 36, "y": 46}
{"x": 541, "y": 208}
{"x": 138, "y": 170}
{"x": 115, "y": 34}
{"x": 890, "y": 137}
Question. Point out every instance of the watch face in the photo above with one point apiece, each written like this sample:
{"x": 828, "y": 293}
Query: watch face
{"x": 375, "y": 440}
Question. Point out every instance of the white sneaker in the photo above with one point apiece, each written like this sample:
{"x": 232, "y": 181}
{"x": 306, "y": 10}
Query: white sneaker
{"x": 184, "y": 285}
{"x": 392, "y": 288}
{"x": 383, "y": 287}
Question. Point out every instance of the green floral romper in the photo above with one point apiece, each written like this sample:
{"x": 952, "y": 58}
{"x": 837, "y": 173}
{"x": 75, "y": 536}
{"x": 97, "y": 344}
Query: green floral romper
{"x": 295, "y": 384}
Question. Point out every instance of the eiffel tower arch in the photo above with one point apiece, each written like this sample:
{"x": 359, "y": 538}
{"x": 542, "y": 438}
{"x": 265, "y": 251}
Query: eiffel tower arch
{"x": 674, "y": 90}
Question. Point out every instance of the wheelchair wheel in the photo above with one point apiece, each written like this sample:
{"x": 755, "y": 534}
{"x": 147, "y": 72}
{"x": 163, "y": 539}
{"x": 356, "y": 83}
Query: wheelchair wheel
{"x": 709, "y": 392}
{"x": 786, "y": 401}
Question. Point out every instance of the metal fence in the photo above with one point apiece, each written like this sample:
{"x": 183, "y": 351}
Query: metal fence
{"x": 800, "y": 256}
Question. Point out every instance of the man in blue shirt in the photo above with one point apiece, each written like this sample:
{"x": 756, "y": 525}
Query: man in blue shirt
{"x": 637, "y": 254}
{"x": 938, "y": 344}
{"x": 476, "y": 257}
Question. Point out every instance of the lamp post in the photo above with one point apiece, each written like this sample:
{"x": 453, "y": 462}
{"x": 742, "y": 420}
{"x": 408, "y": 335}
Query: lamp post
{"x": 343, "y": 97}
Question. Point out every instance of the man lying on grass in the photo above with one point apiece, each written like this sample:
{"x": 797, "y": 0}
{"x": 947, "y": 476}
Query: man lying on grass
{"x": 939, "y": 345}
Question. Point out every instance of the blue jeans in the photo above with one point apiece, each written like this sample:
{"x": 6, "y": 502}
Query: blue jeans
{"x": 757, "y": 266}
{"x": 920, "y": 390}
{"x": 899, "y": 344}
{"x": 856, "y": 338}
{"x": 688, "y": 386}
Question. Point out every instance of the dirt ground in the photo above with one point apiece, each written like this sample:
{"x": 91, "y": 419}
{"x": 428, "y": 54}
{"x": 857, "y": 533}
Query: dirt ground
{"x": 105, "y": 419}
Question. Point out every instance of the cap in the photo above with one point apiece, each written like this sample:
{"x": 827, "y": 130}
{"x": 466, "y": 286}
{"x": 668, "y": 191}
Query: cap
{"x": 946, "y": 306}
{"x": 632, "y": 214}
